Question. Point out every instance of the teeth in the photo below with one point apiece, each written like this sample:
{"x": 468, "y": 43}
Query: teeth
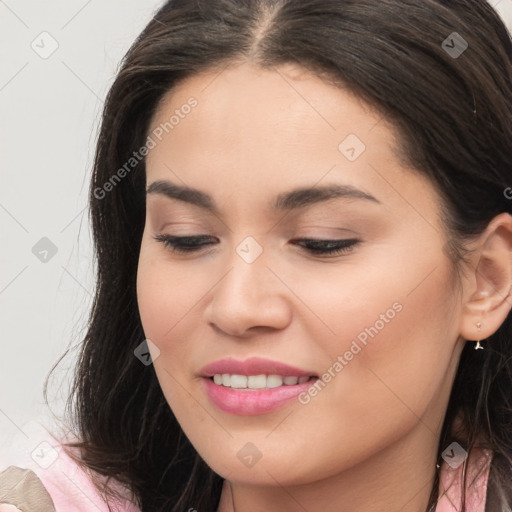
{"x": 274, "y": 381}
{"x": 238, "y": 381}
{"x": 256, "y": 381}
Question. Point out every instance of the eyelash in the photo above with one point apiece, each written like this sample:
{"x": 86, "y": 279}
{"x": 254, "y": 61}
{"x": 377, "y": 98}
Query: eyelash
{"x": 189, "y": 244}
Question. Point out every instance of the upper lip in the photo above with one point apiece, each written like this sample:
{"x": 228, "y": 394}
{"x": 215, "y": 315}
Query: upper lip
{"x": 253, "y": 366}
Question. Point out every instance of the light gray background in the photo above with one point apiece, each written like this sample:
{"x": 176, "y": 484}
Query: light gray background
{"x": 50, "y": 111}
{"x": 51, "y": 106}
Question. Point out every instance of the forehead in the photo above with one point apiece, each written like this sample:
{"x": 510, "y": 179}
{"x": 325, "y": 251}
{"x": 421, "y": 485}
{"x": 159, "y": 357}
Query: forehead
{"x": 257, "y": 130}
{"x": 277, "y": 108}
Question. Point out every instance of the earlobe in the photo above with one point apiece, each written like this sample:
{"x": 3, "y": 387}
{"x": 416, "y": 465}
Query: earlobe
{"x": 489, "y": 281}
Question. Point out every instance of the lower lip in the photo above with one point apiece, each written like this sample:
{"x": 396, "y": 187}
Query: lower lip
{"x": 250, "y": 402}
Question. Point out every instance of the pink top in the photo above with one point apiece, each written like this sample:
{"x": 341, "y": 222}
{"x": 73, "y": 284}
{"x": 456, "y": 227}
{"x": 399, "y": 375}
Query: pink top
{"x": 70, "y": 489}
{"x": 68, "y": 485}
{"x": 451, "y": 483}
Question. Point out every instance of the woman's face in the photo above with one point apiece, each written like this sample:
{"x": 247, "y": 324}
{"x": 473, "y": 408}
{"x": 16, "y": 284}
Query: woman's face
{"x": 375, "y": 326}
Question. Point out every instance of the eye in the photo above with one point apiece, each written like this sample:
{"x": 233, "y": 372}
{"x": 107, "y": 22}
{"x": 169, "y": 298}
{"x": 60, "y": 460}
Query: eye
{"x": 330, "y": 247}
{"x": 184, "y": 244}
{"x": 188, "y": 244}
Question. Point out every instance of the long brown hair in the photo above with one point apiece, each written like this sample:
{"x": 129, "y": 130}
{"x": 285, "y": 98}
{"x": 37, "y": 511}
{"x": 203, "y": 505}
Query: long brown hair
{"x": 454, "y": 117}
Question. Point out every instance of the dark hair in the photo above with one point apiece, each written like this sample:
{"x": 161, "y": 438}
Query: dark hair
{"x": 453, "y": 116}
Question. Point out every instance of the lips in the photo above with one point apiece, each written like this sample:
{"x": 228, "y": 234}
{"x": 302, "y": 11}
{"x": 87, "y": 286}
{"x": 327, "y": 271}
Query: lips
{"x": 253, "y": 366}
{"x": 217, "y": 380}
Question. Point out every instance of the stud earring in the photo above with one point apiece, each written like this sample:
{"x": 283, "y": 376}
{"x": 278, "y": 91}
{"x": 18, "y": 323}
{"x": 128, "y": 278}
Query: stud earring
{"x": 477, "y": 344}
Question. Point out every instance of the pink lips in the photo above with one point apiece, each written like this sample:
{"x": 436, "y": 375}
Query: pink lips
{"x": 253, "y": 366}
{"x": 252, "y": 401}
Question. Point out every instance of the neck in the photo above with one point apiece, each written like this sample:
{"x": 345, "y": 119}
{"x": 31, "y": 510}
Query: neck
{"x": 399, "y": 477}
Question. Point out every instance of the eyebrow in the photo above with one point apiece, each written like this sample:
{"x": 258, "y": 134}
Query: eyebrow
{"x": 293, "y": 200}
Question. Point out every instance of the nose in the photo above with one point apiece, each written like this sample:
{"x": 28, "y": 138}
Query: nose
{"x": 248, "y": 299}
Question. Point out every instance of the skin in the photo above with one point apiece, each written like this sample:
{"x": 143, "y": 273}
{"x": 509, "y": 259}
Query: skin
{"x": 368, "y": 440}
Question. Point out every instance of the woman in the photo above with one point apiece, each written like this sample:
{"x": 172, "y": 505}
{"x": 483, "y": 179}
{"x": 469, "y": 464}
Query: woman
{"x": 301, "y": 212}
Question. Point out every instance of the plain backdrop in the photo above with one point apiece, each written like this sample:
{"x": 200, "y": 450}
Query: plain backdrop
{"x": 58, "y": 59}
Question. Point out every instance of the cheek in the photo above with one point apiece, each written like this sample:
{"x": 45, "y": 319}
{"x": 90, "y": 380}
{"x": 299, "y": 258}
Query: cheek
{"x": 387, "y": 334}
{"x": 393, "y": 343}
{"x": 166, "y": 296}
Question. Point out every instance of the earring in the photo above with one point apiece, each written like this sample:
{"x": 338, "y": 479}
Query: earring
{"x": 477, "y": 345}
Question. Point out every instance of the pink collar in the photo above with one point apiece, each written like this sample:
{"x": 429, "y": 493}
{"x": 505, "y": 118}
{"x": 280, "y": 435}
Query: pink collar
{"x": 451, "y": 483}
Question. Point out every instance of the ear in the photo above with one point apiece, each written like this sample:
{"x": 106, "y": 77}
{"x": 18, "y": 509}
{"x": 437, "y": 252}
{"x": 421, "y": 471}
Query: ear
{"x": 488, "y": 282}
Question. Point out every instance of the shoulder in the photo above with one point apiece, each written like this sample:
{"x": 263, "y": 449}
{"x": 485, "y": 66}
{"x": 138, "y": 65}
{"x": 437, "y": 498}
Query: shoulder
{"x": 42, "y": 476}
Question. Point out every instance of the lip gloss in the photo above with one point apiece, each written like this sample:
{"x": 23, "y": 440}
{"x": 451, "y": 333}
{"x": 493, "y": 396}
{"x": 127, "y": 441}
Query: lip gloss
{"x": 250, "y": 402}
